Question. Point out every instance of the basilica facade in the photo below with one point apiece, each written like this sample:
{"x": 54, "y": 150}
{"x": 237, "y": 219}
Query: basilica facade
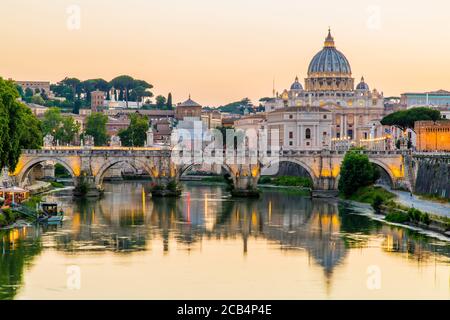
{"x": 329, "y": 85}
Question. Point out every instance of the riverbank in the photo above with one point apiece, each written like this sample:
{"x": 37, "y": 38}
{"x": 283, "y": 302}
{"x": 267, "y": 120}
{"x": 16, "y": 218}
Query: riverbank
{"x": 388, "y": 204}
{"x": 405, "y": 198}
{"x": 212, "y": 181}
{"x": 14, "y": 217}
{"x": 39, "y": 187}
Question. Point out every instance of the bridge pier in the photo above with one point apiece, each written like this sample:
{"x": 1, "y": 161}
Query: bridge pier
{"x": 85, "y": 186}
{"x": 49, "y": 171}
{"x": 166, "y": 187}
{"x": 245, "y": 187}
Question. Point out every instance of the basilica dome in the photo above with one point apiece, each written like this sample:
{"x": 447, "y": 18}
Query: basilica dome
{"x": 362, "y": 85}
{"x": 296, "y": 85}
{"x": 329, "y": 71}
{"x": 329, "y": 60}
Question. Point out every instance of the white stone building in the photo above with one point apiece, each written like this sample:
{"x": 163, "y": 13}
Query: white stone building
{"x": 307, "y": 128}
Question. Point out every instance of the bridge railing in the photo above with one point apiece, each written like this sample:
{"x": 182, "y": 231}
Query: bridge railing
{"x": 224, "y": 152}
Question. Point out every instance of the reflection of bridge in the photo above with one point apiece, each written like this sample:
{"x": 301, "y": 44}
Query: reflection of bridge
{"x": 89, "y": 165}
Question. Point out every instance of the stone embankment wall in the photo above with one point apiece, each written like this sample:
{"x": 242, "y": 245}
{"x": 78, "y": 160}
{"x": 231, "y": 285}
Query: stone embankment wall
{"x": 433, "y": 176}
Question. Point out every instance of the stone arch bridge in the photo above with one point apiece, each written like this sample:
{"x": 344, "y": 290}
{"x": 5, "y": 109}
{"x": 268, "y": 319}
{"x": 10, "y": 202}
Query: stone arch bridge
{"x": 89, "y": 165}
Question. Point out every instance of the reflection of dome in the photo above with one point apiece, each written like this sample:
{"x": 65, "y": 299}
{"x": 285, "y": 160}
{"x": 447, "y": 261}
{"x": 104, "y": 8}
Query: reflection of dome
{"x": 329, "y": 60}
{"x": 296, "y": 85}
{"x": 362, "y": 85}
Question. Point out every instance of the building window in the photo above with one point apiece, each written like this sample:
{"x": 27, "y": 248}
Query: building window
{"x": 291, "y": 116}
{"x": 325, "y": 116}
{"x": 308, "y": 133}
{"x": 308, "y": 143}
{"x": 291, "y": 135}
{"x": 350, "y": 134}
{"x": 291, "y": 143}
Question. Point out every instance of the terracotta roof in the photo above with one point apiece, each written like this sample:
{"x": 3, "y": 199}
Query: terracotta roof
{"x": 189, "y": 103}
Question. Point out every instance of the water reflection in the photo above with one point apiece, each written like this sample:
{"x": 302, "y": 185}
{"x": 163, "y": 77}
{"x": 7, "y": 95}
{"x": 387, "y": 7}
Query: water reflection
{"x": 17, "y": 250}
{"x": 127, "y": 220}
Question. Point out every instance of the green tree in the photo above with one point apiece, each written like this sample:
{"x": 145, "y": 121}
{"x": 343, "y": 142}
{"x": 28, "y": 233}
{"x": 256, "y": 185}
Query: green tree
{"x": 28, "y": 92}
{"x": 169, "y": 101}
{"x": 140, "y": 92}
{"x": 124, "y": 83}
{"x": 37, "y": 99}
{"x": 405, "y": 119}
{"x": 20, "y": 91}
{"x": 237, "y": 107}
{"x": 63, "y": 128}
{"x": 14, "y": 124}
{"x": 87, "y": 87}
{"x": 62, "y": 90}
{"x": 31, "y": 136}
{"x": 160, "y": 102}
{"x": 356, "y": 172}
{"x": 51, "y": 121}
{"x": 76, "y": 107}
{"x": 68, "y": 130}
{"x": 96, "y": 127}
{"x": 136, "y": 133}
{"x": 74, "y": 84}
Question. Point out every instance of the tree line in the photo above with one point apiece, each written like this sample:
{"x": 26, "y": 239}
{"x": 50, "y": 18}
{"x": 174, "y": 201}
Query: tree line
{"x": 19, "y": 128}
{"x": 77, "y": 93}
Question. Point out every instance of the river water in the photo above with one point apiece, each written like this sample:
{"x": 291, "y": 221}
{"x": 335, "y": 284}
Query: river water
{"x": 208, "y": 246}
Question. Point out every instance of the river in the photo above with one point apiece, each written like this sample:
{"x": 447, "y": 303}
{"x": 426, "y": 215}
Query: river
{"x": 208, "y": 246}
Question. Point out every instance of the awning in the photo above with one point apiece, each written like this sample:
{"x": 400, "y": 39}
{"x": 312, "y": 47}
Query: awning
{"x": 14, "y": 190}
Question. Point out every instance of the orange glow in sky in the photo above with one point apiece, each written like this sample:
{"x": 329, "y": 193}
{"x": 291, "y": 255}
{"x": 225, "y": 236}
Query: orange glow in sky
{"x": 222, "y": 51}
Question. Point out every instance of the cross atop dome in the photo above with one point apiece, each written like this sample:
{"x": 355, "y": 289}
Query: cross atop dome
{"x": 329, "y": 41}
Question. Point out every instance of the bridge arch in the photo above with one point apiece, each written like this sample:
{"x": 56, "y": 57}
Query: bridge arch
{"x": 386, "y": 170}
{"x": 298, "y": 162}
{"x": 28, "y": 166}
{"x": 135, "y": 163}
{"x": 224, "y": 166}
{"x": 380, "y": 165}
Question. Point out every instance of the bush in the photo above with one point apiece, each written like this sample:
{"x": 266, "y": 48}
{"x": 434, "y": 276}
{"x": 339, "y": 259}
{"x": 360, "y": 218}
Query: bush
{"x": 368, "y": 195}
{"x": 425, "y": 218}
{"x": 172, "y": 185}
{"x": 3, "y": 221}
{"x": 265, "y": 180}
{"x": 158, "y": 187}
{"x": 293, "y": 181}
{"x": 32, "y": 202}
{"x": 414, "y": 215}
{"x": 418, "y": 216}
{"x": 61, "y": 172}
{"x": 377, "y": 202}
{"x": 397, "y": 217}
{"x": 9, "y": 215}
{"x": 57, "y": 184}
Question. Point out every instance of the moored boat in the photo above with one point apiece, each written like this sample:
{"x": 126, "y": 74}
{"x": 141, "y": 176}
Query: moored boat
{"x": 49, "y": 213}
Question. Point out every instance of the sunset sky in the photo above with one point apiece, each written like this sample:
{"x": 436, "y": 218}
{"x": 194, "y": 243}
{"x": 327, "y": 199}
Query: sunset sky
{"x": 222, "y": 51}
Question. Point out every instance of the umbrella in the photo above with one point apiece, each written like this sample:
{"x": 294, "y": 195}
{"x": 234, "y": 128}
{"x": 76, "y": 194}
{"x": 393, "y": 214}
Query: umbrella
{"x": 15, "y": 190}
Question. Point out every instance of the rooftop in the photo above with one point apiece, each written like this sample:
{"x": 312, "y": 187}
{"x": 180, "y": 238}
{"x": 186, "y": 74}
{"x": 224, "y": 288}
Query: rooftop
{"x": 300, "y": 109}
{"x": 189, "y": 103}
